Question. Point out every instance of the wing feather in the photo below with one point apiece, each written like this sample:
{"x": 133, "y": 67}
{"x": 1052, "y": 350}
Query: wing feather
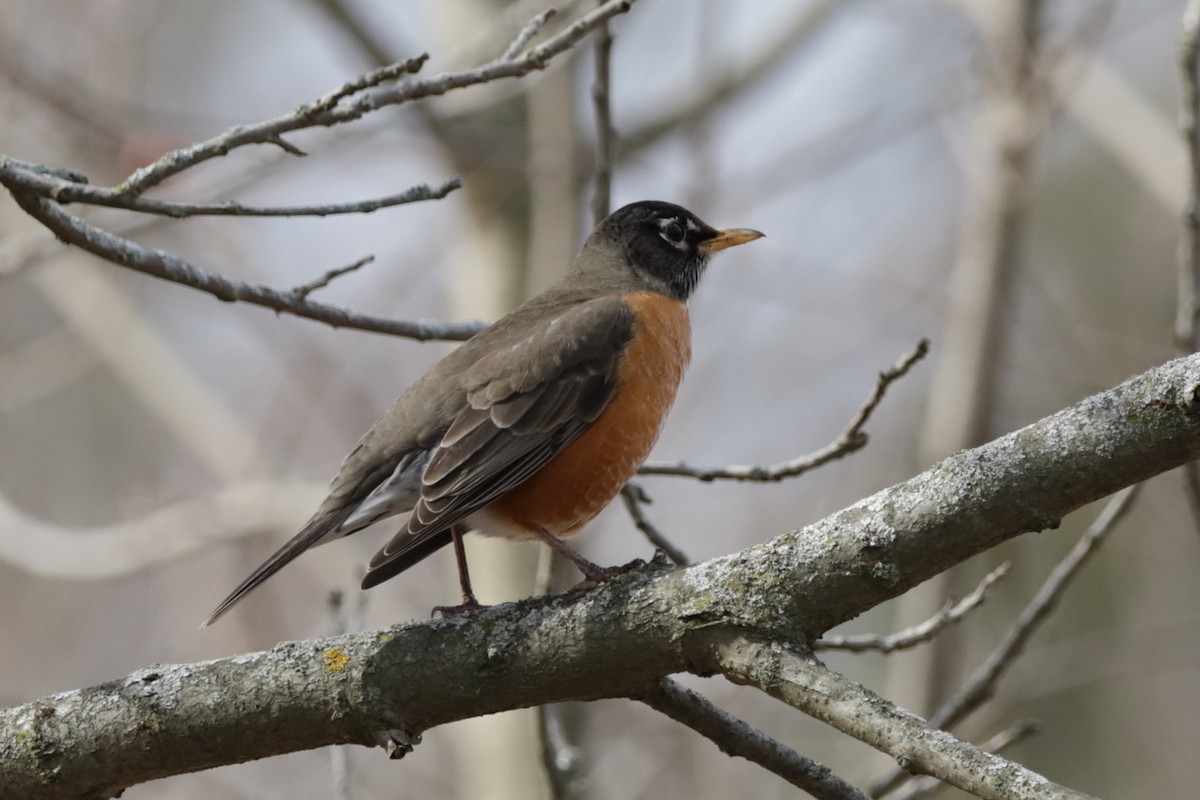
{"x": 525, "y": 404}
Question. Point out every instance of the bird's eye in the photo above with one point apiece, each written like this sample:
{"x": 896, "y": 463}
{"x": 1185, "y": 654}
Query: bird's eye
{"x": 673, "y": 232}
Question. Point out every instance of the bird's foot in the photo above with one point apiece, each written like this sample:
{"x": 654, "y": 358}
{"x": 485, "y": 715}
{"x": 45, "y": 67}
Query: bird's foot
{"x": 594, "y": 574}
{"x": 467, "y": 606}
{"x": 660, "y": 559}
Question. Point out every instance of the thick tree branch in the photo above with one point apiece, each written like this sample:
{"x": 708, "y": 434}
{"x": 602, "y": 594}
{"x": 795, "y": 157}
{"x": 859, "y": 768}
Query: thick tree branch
{"x": 388, "y": 686}
{"x": 980, "y": 687}
{"x": 996, "y": 744}
{"x": 801, "y": 681}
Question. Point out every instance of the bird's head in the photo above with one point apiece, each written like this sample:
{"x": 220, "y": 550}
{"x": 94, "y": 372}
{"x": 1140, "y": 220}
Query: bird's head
{"x": 665, "y": 245}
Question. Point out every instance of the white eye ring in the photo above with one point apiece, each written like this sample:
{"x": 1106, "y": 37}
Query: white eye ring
{"x": 673, "y": 231}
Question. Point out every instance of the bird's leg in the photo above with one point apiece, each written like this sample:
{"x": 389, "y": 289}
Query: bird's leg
{"x": 593, "y": 574}
{"x": 469, "y": 603}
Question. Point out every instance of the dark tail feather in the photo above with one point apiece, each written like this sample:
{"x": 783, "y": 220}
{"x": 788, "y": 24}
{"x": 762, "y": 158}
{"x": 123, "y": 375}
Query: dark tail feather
{"x": 306, "y": 538}
{"x": 401, "y": 553}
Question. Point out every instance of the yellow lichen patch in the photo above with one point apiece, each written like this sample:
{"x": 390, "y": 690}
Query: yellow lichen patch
{"x": 336, "y": 659}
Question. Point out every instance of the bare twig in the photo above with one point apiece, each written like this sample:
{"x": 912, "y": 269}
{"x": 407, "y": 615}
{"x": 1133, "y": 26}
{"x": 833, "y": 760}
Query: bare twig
{"x": 518, "y": 45}
{"x": 737, "y": 738}
{"x": 65, "y": 186}
{"x": 346, "y": 103}
{"x": 634, "y": 497}
{"x": 473, "y": 46}
{"x": 997, "y": 744}
{"x": 305, "y": 289}
{"x": 803, "y": 683}
{"x": 369, "y": 80}
{"x": 980, "y": 686}
{"x": 851, "y": 439}
{"x": 168, "y": 266}
{"x": 309, "y": 116}
{"x": 602, "y": 200}
{"x": 66, "y": 174}
{"x": 918, "y": 634}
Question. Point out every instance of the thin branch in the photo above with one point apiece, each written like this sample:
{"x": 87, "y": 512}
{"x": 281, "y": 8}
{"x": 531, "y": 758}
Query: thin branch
{"x": 161, "y": 264}
{"x": 950, "y": 614}
{"x": 305, "y": 289}
{"x": 851, "y": 439}
{"x": 634, "y": 497}
{"x": 605, "y": 135}
{"x": 369, "y": 80}
{"x": 997, "y": 744}
{"x": 737, "y": 738}
{"x": 314, "y": 115}
{"x": 41, "y": 180}
{"x": 66, "y": 175}
{"x": 804, "y": 683}
{"x": 982, "y": 684}
{"x": 518, "y": 45}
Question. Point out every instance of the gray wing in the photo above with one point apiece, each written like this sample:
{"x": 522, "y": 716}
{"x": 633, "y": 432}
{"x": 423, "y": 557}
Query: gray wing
{"x": 503, "y": 405}
{"x": 525, "y": 404}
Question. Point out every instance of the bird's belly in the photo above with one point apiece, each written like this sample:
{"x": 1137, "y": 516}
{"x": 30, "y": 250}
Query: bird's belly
{"x": 581, "y": 480}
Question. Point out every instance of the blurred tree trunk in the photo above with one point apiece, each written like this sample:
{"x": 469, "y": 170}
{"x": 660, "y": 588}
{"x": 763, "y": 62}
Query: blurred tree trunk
{"x": 523, "y": 232}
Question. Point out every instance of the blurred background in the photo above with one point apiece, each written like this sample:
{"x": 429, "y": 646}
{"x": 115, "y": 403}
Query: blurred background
{"x": 933, "y": 168}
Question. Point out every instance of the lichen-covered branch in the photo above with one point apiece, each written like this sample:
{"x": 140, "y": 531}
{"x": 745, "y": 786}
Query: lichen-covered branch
{"x": 801, "y": 681}
{"x": 386, "y": 687}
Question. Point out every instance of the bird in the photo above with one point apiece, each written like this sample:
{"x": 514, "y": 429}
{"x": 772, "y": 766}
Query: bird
{"x": 531, "y": 427}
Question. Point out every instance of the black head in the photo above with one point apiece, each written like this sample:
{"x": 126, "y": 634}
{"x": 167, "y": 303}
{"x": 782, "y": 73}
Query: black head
{"x": 666, "y": 243}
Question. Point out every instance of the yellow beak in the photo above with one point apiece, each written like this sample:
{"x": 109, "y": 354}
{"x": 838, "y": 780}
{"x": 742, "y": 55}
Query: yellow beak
{"x": 730, "y": 237}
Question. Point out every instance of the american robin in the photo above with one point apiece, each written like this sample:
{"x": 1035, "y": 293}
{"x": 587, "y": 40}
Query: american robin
{"x": 532, "y": 426}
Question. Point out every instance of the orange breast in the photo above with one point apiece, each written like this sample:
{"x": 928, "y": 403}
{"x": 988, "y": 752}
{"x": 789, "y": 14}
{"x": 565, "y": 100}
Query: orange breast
{"x": 581, "y": 480}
